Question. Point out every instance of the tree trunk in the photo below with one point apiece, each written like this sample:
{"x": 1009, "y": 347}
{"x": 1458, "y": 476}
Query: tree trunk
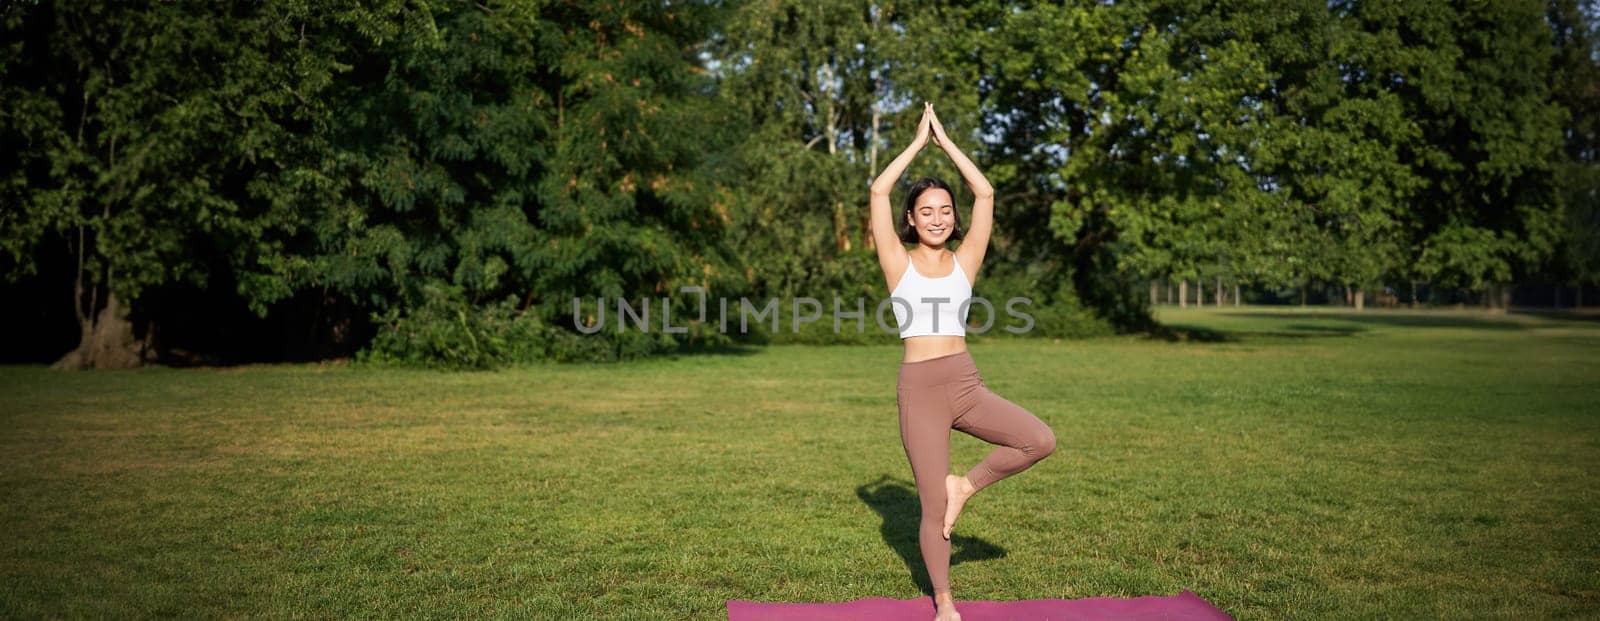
{"x": 1302, "y": 296}
{"x": 1219, "y": 292}
{"x": 1413, "y": 294}
{"x": 869, "y": 242}
{"x": 1236, "y": 295}
{"x": 841, "y": 228}
{"x": 877, "y": 116}
{"x": 1491, "y": 298}
{"x": 1183, "y": 294}
{"x": 105, "y": 342}
{"x": 1169, "y": 292}
{"x": 1200, "y": 292}
{"x": 105, "y": 336}
{"x": 830, "y": 114}
{"x": 1360, "y": 297}
{"x": 841, "y": 231}
{"x": 1153, "y": 294}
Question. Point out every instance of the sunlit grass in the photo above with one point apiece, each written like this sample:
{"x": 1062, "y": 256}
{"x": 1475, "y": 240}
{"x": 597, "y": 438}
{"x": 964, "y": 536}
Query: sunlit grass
{"x": 1280, "y": 463}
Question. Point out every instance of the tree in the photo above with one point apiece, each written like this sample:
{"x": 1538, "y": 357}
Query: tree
{"x": 1472, "y": 79}
{"x": 157, "y": 150}
{"x": 544, "y": 152}
{"x": 1575, "y": 85}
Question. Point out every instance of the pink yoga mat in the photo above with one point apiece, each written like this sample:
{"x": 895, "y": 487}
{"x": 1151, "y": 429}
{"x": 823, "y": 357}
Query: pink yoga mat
{"x": 1185, "y": 606}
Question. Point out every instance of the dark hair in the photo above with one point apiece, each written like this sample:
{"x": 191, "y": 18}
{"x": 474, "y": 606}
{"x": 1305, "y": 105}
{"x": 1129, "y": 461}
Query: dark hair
{"x": 908, "y": 233}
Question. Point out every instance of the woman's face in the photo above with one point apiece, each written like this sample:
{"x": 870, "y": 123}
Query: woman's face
{"x": 934, "y": 216}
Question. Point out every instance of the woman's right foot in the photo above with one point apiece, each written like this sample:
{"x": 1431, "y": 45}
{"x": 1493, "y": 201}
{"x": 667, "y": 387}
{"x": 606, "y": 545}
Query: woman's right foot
{"x": 947, "y": 609}
{"x": 957, "y": 490}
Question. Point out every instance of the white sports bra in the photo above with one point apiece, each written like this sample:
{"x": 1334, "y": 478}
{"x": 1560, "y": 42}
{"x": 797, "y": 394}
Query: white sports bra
{"x": 919, "y": 295}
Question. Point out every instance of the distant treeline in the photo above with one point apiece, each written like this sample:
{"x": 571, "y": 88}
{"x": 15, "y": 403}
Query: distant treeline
{"x": 436, "y": 182}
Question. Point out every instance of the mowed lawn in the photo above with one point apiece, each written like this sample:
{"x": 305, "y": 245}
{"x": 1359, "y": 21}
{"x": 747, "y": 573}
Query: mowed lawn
{"x": 1281, "y": 463}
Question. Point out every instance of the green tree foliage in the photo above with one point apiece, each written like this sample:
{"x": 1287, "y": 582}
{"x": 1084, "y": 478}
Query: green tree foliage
{"x": 1332, "y": 161}
{"x": 808, "y": 81}
{"x": 464, "y": 171}
{"x": 1489, "y": 129}
{"x": 827, "y": 90}
{"x": 1575, "y": 84}
{"x": 156, "y": 140}
{"x": 538, "y": 150}
{"x": 1286, "y": 143}
{"x": 541, "y": 151}
{"x": 1137, "y": 125}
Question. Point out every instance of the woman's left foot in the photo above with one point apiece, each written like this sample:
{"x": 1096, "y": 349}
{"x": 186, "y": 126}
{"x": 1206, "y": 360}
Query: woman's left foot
{"x": 945, "y": 604}
{"x": 957, "y": 490}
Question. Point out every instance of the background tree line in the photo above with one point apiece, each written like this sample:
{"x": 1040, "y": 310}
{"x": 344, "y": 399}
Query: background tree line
{"x": 435, "y": 182}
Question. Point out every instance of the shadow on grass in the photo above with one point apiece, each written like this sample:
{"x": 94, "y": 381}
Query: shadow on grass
{"x": 1562, "y": 314}
{"x": 1311, "y": 330}
{"x": 1404, "y": 319}
{"x": 1178, "y": 332}
{"x": 896, "y": 502}
{"x": 725, "y": 349}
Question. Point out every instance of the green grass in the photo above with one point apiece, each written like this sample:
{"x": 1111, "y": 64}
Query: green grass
{"x": 1279, "y": 463}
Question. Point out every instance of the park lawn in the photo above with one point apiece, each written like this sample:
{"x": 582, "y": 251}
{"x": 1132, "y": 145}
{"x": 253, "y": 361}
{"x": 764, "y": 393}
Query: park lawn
{"x": 1281, "y": 463}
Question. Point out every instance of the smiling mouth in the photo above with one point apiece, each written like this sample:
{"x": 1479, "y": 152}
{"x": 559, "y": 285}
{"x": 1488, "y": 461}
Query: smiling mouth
{"x": 936, "y": 231}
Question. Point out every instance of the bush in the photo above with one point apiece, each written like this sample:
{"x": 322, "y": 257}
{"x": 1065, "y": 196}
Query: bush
{"x": 1063, "y": 320}
{"x": 445, "y": 331}
{"x": 1056, "y": 310}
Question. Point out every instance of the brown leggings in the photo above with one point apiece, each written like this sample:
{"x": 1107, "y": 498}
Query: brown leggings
{"x": 940, "y": 393}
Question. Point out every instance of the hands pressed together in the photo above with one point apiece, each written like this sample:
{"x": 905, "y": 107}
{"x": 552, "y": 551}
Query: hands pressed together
{"x": 928, "y": 127}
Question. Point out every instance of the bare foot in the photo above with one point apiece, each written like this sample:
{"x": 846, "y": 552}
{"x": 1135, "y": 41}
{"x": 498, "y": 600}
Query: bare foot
{"x": 947, "y": 608}
{"x": 957, "y": 490}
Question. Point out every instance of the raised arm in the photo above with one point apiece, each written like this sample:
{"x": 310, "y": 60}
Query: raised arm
{"x": 891, "y": 255}
{"x": 975, "y": 240}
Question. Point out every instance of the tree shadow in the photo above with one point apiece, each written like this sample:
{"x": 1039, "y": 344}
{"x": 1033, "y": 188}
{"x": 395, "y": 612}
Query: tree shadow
{"x": 1560, "y": 314}
{"x": 720, "y": 349}
{"x": 1311, "y": 330}
{"x": 896, "y": 502}
{"x": 1404, "y": 319}
{"x": 1181, "y": 333}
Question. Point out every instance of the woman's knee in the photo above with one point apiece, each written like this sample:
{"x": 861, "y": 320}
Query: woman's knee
{"x": 1045, "y": 443}
{"x": 933, "y": 503}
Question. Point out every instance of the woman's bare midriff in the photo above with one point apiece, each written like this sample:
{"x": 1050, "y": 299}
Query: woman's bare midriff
{"x": 932, "y": 346}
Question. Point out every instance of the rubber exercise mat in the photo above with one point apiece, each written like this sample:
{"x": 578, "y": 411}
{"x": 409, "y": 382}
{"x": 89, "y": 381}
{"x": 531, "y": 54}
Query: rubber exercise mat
{"x": 1185, "y": 606}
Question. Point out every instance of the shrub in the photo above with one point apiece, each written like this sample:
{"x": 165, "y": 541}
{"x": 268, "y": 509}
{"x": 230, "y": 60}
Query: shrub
{"x": 446, "y": 331}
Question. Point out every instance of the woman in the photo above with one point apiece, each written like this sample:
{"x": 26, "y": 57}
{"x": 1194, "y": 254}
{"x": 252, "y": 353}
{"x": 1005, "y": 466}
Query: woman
{"x": 939, "y": 386}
